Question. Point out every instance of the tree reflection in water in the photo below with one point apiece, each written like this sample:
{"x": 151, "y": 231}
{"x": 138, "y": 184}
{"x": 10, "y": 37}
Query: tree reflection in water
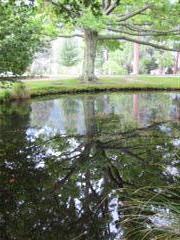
{"x": 113, "y": 177}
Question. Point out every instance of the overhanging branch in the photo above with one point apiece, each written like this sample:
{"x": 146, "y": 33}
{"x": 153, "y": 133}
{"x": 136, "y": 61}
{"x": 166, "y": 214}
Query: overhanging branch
{"x": 70, "y": 36}
{"x": 134, "y": 13}
{"x": 134, "y": 28}
{"x": 153, "y": 34}
{"x": 120, "y": 37}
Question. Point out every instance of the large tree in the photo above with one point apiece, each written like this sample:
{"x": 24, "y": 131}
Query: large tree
{"x": 118, "y": 20}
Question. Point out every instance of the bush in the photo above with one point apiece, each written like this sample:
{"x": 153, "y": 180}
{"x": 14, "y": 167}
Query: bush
{"x": 19, "y": 91}
{"x": 5, "y": 96}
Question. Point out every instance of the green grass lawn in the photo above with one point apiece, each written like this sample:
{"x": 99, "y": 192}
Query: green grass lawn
{"x": 44, "y": 87}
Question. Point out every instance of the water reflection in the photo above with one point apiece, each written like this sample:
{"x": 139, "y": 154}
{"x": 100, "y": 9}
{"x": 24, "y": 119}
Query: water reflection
{"x": 68, "y": 115}
{"x": 90, "y": 167}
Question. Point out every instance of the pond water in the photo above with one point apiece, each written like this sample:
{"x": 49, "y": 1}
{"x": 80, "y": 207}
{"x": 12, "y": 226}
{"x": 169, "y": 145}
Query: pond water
{"x": 91, "y": 167}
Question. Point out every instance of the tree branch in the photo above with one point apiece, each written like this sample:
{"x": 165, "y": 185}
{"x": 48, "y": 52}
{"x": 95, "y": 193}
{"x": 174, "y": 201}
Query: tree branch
{"x": 112, "y": 7}
{"x": 106, "y": 4}
{"x": 136, "y": 29}
{"x": 70, "y": 36}
{"x": 136, "y": 12}
{"x": 120, "y": 37}
{"x": 153, "y": 34}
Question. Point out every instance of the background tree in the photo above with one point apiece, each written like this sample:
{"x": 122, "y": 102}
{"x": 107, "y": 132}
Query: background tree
{"x": 164, "y": 60}
{"x": 69, "y": 53}
{"x": 147, "y": 60}
{"x": 120, "y": 60}
{"x": 176, "y": 64}
{"x": 102, "y": 20}
{"x": 136, "y": 58}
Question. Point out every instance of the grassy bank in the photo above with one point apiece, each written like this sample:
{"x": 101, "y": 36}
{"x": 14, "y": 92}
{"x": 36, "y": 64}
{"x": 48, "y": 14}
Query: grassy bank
{"x": 32, "y": 88}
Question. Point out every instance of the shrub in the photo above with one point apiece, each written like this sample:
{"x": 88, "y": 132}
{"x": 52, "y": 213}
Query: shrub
{"x": 19, "y": 91}
{"x": 5, "y": 96}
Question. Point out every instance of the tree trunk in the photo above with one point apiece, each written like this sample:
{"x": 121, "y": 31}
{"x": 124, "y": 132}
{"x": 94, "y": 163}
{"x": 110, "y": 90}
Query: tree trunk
{"x": 176, "y": 66}
{"x": 89, "y": 55}
{"x": 136, "y": 58}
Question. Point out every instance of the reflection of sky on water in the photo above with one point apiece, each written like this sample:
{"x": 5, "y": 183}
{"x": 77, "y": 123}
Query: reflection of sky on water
{"x": 57, "y": 119}
{"x": 59, "y": 116}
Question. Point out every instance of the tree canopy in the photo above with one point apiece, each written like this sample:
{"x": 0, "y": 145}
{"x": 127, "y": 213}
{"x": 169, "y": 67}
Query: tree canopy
{"x": 150, "y": 24}
{"x": 122, "y": 19}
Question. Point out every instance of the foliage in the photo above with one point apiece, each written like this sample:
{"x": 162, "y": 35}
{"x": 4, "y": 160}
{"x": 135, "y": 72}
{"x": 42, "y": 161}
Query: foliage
{"x": 70, "y": 12}
{"x": 112, "y": 45}
{"x": 147, "y": 64}
{"x": 69, "y": 53}
{"x": 104, "y": 16}
{"x": 90, "y": 21}
{"x": 151, "y": 59}
{"x": 19, "y": 91}
{"x": 164, "y": 59}
{"x": 20, "y": 37}
{"x": 112, "y": 67}
{"x": 119, "y": 59}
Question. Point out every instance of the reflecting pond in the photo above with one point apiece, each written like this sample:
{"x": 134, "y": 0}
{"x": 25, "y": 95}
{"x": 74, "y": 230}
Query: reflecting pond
{"x": 91, "y": 167}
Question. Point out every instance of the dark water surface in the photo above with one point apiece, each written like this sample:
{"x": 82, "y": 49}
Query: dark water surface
{"x": 95, "y": 167}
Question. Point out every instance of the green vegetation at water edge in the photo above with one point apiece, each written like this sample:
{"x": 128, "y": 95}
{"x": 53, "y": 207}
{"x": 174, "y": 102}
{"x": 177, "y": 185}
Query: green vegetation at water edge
{"x": 26, "y": 89}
